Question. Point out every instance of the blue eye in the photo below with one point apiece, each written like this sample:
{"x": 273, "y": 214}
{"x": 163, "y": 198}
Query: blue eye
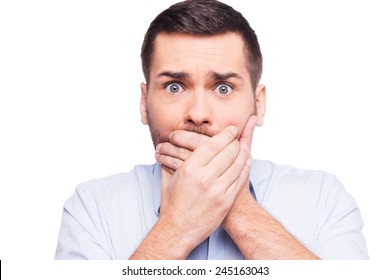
{"x": 174, "y": 88}
{"x": 224, "y": 89}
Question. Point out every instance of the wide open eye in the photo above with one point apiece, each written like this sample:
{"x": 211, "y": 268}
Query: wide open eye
{"x": 174, "y": 88}
{"x": 224, "y": 89}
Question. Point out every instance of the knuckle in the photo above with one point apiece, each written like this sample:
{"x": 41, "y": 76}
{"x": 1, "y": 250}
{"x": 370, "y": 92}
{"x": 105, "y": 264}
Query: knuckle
{"x": 232, "y": 151}
{"x": 244, "y": 149}
{"x": 162, "y": 147}
{"x": 217, "y": 198}
{"x": 242, "y": 156}
{"x": 198, "y": 140}
{"x": 203, "y": 183}
{"x": 181, "y": 151}
{"x": 175, "y": 164}
{"x": 213, "y": 147}
{"x": 187, "y": 170}
{"x": 241, "y": 160}
{"x": 222, "y": 203}
{"x": 229, "y": 156}
{"x": 239, "y": 182}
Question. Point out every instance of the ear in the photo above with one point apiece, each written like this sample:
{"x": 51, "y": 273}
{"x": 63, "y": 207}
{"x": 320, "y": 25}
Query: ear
{"x": 261, "y": 102}
{"x": 143, "y": 103}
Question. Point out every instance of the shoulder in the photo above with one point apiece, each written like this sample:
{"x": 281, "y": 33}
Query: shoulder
{"x": 107, "y": 215}
{"x": 111, "y": 190}
{"x": 125, "y": 181}
{"x": 313, "y": 205}
{"x": 269, "y": 168}
{"x": 288, "y": 193}
{"x": 284, "y": 178}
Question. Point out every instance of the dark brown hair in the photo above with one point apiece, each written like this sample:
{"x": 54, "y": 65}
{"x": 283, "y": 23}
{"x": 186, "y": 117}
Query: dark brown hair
{"x": 203, "y": 18}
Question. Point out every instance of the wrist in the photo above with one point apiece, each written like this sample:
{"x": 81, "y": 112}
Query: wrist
{"x": 237, "y": 212}
{"x": 164, "y": 242}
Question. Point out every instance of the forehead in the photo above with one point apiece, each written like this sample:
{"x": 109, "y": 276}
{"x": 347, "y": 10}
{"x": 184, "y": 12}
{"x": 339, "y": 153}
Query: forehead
{"x": 182, "y": 52}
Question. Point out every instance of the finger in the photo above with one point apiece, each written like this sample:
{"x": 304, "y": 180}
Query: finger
{"x": 235, "y": 170}
{"x": 247, "y": 134}
{"x": 169, "y": 162}
{"x": 241, "y": 182}
{"x": 212, "y": 146}
{"x": 187, "y": 139}
{"x": 222, "y": 161}
{"x": 174, "y": 151}
{"x": 169, "y": 170}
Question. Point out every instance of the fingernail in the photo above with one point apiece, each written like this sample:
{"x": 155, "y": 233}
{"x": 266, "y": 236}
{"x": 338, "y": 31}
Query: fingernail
{"x": 254, "y": 120}
{"x": 158, "y": 148}
{"x": 170, "y": 136}
{"x": 233, "y": 129}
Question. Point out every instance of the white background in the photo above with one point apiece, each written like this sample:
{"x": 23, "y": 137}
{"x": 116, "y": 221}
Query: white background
{"x": 69, "y": 106}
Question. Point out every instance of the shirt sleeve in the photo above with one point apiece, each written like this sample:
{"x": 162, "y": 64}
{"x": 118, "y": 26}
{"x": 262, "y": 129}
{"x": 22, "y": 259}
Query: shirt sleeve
{"x": 81, "y": 234}
{"x": 340, "y": 234}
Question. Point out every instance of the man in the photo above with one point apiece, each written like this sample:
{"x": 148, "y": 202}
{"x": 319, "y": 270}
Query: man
{"x": 206, "y": 198}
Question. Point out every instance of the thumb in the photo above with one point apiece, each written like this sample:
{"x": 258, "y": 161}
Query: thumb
{"x": 247, "y": 133}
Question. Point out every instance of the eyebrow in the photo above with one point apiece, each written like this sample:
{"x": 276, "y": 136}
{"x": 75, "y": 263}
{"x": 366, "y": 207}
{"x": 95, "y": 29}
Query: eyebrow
{"x": 211, "y": 74}
{"x": 223, "y": 76}
{"x": 174, "y": 75}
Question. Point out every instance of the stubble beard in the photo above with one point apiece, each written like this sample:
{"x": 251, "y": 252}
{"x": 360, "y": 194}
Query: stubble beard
{"x": 158, "y": 137}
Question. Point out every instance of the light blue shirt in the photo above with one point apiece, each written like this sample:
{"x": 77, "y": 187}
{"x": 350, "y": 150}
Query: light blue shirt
{"x": 108, "y": 218}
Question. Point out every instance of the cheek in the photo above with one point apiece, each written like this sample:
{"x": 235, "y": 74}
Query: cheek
{"x": 241, "y": 124}
{"x": 238, "y": 121}
{"x": 163, "y": 118}
{"x": 236, "y": 115}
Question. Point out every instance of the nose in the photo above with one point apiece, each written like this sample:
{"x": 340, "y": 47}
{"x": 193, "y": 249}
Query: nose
{"x": 198, "y": 110}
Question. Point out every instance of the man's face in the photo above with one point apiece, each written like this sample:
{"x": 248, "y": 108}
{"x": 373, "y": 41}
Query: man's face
{"x": 199, "y": 84}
